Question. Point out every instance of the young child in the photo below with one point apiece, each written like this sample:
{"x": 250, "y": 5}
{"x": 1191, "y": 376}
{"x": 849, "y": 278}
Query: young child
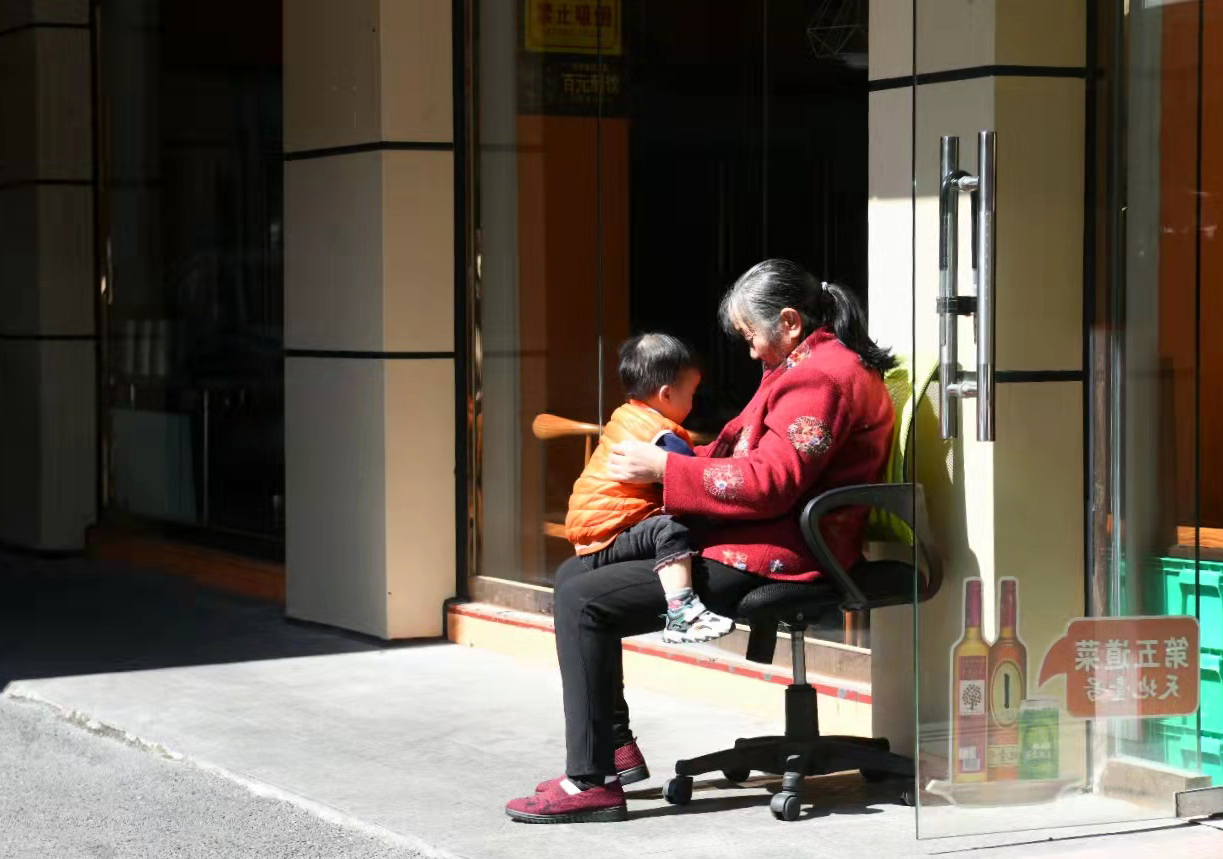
{"x": 609, "y": 521}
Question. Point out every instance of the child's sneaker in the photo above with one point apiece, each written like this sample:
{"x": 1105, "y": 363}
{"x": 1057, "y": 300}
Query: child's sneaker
{"x": 691, "y": 622}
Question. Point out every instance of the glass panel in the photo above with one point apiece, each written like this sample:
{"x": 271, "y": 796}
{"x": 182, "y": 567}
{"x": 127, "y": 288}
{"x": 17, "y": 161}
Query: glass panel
{"x": 548, "y": 96}
{"x": 191, "y": 113}
{"x": 1053, "y": 692}
{"x": 698, "y": 127}
{"x": 718, "y": 140}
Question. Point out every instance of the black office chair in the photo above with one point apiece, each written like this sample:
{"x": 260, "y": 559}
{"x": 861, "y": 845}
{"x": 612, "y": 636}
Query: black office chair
{"x": 802, "y": 751}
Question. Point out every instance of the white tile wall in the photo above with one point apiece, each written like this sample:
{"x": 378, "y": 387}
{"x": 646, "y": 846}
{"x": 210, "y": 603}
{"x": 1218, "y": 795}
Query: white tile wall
{"x": 64, "y": 114}
{"x": 332, "y": 55}
{"x": 333, "y": 253}
{"x": 65, "y": 285}
{"x": 418, "y": 251}
{"x": 67, "y": 443}
{"x": 335, "y": 494}
{"x": 420, "y": 518}
{"x": 417, "y": 71}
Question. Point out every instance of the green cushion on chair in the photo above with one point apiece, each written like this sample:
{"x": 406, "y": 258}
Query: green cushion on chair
{"x": 884, "y": 527}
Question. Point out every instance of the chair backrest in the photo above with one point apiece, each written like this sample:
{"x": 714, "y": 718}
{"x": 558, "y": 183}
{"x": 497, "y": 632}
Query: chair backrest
{"x": 547, "y": 426}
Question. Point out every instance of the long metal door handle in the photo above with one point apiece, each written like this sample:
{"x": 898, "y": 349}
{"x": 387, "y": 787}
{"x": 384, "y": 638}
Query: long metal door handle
{"x": 985, "y": 251}
{"x": 948, "y": 271}
{"x": 956, "y": 384}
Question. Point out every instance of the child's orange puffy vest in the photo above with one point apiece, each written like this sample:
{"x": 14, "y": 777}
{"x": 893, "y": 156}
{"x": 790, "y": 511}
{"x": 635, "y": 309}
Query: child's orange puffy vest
{"x": 600, "y": 508}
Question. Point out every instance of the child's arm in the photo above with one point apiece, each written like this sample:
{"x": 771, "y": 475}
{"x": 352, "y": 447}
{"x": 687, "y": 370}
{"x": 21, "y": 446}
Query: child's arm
{"x": 672, "y": 443}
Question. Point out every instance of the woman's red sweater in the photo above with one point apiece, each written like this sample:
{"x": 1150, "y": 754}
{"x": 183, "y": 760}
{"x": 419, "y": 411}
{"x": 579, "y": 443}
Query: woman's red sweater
{"x": 819, "y": 421}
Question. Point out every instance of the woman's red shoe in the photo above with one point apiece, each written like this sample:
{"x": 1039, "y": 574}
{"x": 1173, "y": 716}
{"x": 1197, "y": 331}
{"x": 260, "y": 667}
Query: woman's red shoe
{"x": 630, "y": 766}
{"x": 601, "y": 804}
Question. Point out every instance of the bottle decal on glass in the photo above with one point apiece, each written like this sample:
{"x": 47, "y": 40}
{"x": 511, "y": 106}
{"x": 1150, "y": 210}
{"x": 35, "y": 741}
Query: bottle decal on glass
{"x": 969, "y": 706}
{"x": 1008, "y": 688}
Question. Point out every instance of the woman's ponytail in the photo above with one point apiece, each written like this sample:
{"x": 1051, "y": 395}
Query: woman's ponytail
{"x": 843, "y": 314}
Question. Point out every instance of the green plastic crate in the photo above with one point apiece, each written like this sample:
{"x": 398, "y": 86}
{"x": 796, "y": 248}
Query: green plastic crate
{"x": 1182, "y": 586}
{"x": 1180, "y": 748}
{"x": 1211, "y": 702}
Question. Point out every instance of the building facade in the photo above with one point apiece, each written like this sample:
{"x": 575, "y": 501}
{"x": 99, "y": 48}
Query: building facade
{"x": 297, "y": 288}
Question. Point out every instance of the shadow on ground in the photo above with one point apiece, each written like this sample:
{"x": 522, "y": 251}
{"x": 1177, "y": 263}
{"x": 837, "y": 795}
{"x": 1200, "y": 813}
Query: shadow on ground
{"x": 76, "y": 616}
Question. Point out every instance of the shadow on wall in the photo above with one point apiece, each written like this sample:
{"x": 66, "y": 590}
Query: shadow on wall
{"x": 941, "y": 471}
{"x": 76, "y": 616}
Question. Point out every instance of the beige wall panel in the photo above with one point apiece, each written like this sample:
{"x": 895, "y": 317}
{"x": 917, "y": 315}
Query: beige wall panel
{"x": 417, "y": 71}
{"x": 332, "y": 54}
{"x": 20, "y": 510}
{"x": 64, "y": 114}
{"x": 954, "y": 34}
{"x": 890, "y": 39}
{"x": 67, "y": 443}
{"x": 1040, "y": 223}
{"x": 333, "y": 252}
{"x": 18, "y": 260}
{"x": 420, "y": 523}
{"x": 47, "y": 443}
{"x": 1038, "y": 537}
{"x": 960, "y": 108}
{"x": 418, "y": 251}
{"x": 335, "y": 497}
{"x": 958, "y": 34}
{"x": 15, "y": 13}
{"x": 1040, "y": 33}
{"x": 65, "y": 261}
{"x": 890, "y": 219}
{"x": 18, "y": 92}
{"x": 1040, "y": 191}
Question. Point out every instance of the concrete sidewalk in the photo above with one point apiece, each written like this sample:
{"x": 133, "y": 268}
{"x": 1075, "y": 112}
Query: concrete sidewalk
{"x": 427, "y": 742}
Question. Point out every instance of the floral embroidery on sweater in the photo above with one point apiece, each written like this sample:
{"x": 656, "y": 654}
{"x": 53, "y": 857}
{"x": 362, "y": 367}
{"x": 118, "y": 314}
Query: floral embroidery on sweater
{"x": 810, "y": 435}
{"x": 738, "y": 560}
{"x": 741, "y": 446}
{"x": 724, "y": 482}
{"x": 800, "y": 354}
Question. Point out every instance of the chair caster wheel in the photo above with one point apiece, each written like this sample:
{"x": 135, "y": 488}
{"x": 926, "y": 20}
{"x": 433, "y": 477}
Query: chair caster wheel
{"x": 785, "y": 806}
{"x": 678, "y": 790}
{"x": 908, "y": 795}
{"x": 876, "y": 776}
{"x": 737, "y": 776}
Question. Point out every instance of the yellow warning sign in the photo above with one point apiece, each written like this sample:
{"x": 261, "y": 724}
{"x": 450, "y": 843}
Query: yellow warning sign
{"x": 573, "y": 27}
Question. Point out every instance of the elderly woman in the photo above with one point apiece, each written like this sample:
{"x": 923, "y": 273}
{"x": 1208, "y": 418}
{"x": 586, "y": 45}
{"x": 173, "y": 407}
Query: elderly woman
{"x": 822, "y": 418}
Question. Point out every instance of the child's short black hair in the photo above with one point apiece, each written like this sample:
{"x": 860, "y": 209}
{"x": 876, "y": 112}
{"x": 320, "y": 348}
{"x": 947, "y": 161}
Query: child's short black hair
{"x": 649, "y": 361}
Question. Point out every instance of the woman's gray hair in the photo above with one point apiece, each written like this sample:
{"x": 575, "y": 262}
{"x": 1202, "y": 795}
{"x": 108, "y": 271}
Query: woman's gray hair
{"x": 764, "y": 291}
{"x": 767, "y": 288}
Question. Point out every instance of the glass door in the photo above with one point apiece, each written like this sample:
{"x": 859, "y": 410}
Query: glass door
{"x": 631, "y": 160}
{"x": 189, "y": 106}
{"x": 1064, "y": 166}
{"x": 549, "y": 292}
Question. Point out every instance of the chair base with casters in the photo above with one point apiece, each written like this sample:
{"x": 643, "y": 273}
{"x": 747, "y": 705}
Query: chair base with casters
{"x": 802, "y": 751}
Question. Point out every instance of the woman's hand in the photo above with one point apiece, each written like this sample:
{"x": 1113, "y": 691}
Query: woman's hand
{"x": 636, "y": 462}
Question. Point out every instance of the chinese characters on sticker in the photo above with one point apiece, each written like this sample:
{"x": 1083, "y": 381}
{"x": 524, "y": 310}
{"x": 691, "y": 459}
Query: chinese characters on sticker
{"x": 1147, "y": 655}
{"x": 1133, "y": 667}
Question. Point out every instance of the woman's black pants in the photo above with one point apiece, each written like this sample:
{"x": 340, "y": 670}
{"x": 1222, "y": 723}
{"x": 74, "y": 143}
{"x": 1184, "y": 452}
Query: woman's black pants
{"x": 593, "y": 611}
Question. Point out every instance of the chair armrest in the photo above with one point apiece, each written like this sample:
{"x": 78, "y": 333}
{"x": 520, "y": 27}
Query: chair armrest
{"x": 905, "y": 500}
